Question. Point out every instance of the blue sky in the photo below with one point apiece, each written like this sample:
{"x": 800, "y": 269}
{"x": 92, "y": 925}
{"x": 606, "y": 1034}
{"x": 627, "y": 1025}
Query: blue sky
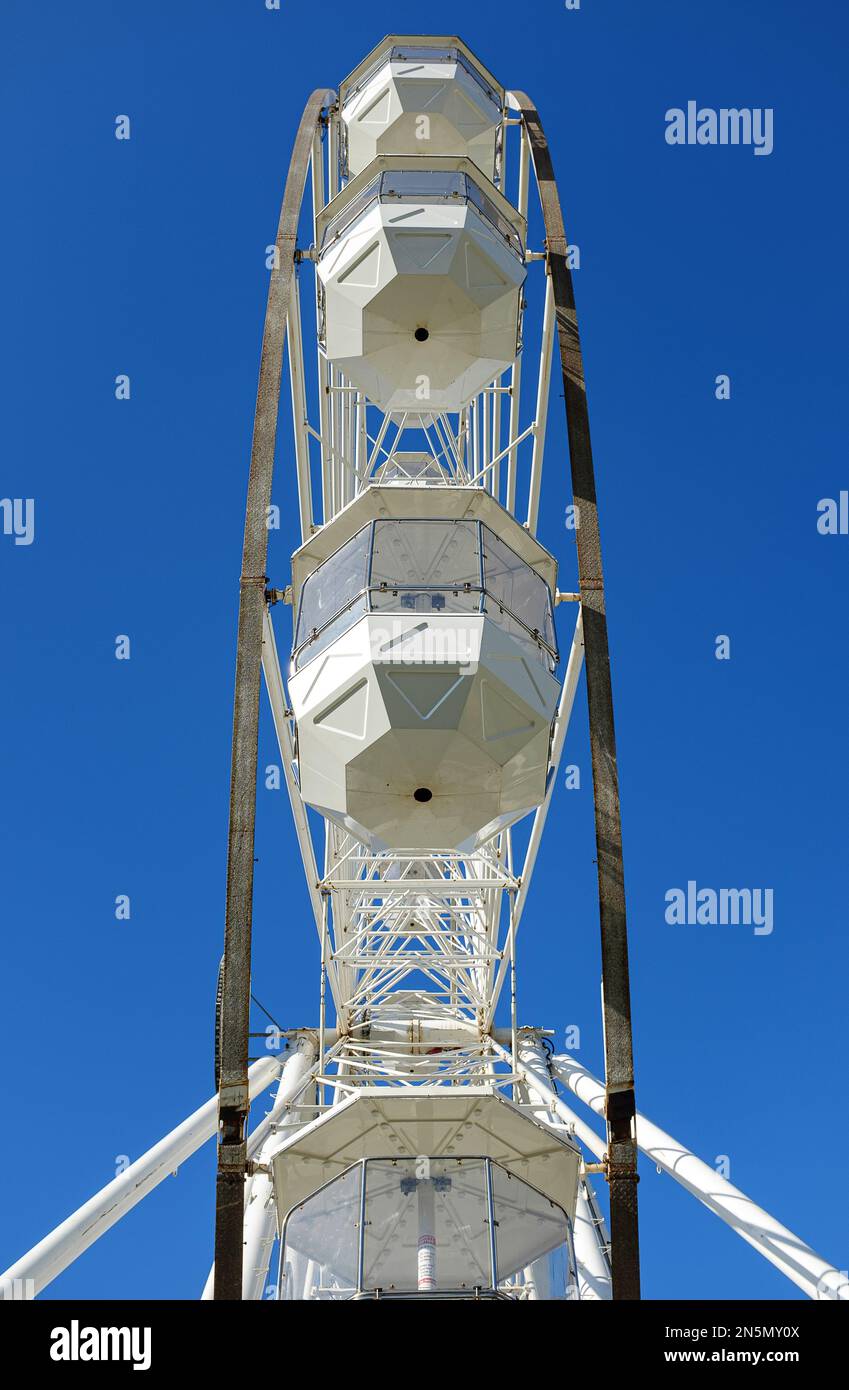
{"x": 146, "y": 257}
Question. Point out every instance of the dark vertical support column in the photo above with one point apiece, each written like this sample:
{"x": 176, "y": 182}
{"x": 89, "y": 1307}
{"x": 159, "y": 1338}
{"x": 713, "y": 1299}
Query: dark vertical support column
{"x": 233, "y": 1098}
{"x": 616, "y": 995}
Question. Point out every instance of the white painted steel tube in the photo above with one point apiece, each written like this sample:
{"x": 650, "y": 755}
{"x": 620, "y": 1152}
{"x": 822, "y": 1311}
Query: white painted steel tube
{"x": 541, "y": 407}
{"x": 260, "y": 1212}
{"x": 814, "y": 1275}
{"x": 299, "y": 410}
{"x": 561, "y": 727}
{"x": 319, "y": 188}
{"x": 426, "y": 1243}
{"x": 595, "y": 1281}
{"x": 532, "y": 1053}
{"x": 594, "y": 1278}
{"x": 64, "y": 1244}
{"x": 277, "y": 699}
{"x": 516, "y": 373}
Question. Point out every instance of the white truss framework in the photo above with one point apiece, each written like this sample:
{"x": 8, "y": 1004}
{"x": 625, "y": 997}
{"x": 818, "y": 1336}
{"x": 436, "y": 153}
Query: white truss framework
{"x": 411, "y": 940}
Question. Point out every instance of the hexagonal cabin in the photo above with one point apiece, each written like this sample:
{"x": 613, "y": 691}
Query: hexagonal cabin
{"x": 420, "y": 262}
{"x": 419, "y": 93}
{"x": 423, "y": 674}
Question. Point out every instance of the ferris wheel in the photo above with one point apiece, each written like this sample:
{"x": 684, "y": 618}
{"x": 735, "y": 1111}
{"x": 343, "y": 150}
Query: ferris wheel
{"x": 414, "y": 1148}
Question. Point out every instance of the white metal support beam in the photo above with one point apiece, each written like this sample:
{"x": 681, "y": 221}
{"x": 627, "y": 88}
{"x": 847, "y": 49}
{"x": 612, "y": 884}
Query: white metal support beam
{"x": 541, "y": 416}
{"x": 814, "y": 1275}
{"x": 561, "y": 727}
{"x": 299, "y": 410}
{"x": 35, "y": 1270}
{"x": 591, "y": 1247}
{"x": 516, "y": 370}
{"x": 260, "y": 1212}
{"x": 277, "y": 699}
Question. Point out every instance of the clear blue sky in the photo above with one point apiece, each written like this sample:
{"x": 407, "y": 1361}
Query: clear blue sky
{"x": 147, "y": 257}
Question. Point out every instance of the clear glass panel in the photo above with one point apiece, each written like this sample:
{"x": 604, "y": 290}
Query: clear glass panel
{"x": 422, "y": 184}
{"x": 405, "y": 186}
{"x": 427, "y": 1235}
{"x": 444, "y": 55}
{"x": 425, "y": 566}
{"x": 424, "y": 54}
{"x": 513, "y": 584}
{"x": 534, "y": 1255}
{"x": 553, "y": 1277}
{"x": 333, "y": 597}
{"x": 321, "y": 1242}
{"x": 347, "y": 215}
{"x": 487, "y": 208}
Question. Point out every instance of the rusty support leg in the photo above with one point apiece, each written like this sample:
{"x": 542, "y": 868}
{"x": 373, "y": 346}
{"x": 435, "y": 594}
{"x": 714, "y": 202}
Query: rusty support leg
{"x": 233, "y": 1099}
{"x": 616, "y": 996}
